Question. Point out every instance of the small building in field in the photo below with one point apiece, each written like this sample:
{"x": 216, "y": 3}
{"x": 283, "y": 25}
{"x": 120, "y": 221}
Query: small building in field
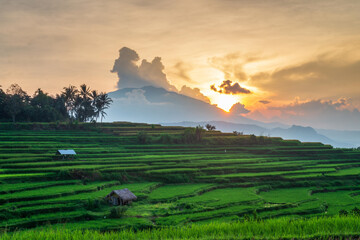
{"x": 121, "y": 197}
{"x": 66, "y": 154}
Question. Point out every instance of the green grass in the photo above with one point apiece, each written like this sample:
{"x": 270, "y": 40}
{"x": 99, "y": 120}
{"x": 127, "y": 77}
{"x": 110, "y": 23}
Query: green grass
{"x": 284, "y": 228}
{"x": 287, "y": 195}
{"x": 224, "y": 196}
{"x": 172, "y": 191}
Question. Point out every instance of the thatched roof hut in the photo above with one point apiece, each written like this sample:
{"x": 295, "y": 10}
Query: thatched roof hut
{"x": 66, "y": 152}
{"x": 121, "y": 197}
{"x": 69, "y": 153}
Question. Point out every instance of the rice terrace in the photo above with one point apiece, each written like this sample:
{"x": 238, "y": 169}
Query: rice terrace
{"x": 217, "y": 182}
{"x": 177, "y": 120}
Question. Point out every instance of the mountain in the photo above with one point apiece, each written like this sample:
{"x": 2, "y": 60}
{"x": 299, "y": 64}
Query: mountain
{"x": 155, "y": 105}
{"x": 351, "y": 137}
{"x": 304, "y": 134}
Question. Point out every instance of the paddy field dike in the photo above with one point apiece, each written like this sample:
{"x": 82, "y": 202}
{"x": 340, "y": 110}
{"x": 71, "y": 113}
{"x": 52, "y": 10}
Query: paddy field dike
{"x": 221, "y": 179}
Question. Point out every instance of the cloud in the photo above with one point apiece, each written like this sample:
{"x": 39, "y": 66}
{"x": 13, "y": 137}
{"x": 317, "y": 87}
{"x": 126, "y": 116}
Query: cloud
{"x": 231, "y": 65}
{"x": 182, "y": 70}
{"x": 264, "y": 102}
{"x": 339, "y": 114}
{"x": 238, "y": 109}
{"x": 194, "y": 93}
{"x": 325, "y": 77}
{"x": 228, "y": 88}
{"x": 133, "y": 76}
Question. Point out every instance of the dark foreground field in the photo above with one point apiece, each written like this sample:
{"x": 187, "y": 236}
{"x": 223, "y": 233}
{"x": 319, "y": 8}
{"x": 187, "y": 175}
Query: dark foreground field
{"x": 218, "y": 181}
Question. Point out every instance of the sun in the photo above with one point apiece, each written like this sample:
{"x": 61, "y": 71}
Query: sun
{"x": 225, "y": 102}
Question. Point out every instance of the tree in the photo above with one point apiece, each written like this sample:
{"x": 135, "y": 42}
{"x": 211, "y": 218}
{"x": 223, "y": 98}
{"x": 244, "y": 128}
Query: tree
{"x": 3, "y": 96}
{"x": 95, "y": 102}
{"x": 84, "y": 91}
{"x": 199, "y": 130}
{"x": 15, "y": 101}
{"x": 103, "y": 103}
{"x": 84, "y": 109}
{"x": 69, "y": 95}
{"x": 252, "y": 139}
{"x": 210, "y": 127}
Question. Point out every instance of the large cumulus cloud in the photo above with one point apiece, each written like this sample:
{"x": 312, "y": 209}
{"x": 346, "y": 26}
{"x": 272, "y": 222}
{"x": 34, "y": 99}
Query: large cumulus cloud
{"x": 194, "y": 93}
{"x": 133, "y": 76}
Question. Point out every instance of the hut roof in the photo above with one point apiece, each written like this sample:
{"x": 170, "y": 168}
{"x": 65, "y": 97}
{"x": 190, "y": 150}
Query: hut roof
{"x": 125, "y": 194}
{"x": 66, "y": 152}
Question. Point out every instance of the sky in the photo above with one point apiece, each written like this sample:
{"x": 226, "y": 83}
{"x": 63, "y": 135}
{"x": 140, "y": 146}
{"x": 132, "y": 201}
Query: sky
{"x": 288, "y": 61}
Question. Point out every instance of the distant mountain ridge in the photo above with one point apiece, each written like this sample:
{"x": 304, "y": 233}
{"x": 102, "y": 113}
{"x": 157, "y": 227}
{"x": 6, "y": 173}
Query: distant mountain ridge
{"x": 303, "y": 134}
{"x": 154, "y": 105}
{"x": 157, "y": 105}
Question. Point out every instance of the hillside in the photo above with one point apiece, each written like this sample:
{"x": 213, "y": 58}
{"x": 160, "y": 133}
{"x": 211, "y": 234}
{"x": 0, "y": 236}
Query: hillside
{"x": 304, "y": 134}
{"x": 224, "y": 177}
{"x": 156, "y": 105}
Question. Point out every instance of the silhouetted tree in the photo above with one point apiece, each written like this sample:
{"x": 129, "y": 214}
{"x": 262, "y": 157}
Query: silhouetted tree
{"x": 15, "y": 101}
{"x": 83, "y": 105}
{"x": 103, "y": 102}
{"x": 3, "y": 96}
{"x": 69, "y": 96}
{"x": 210, "y": 127}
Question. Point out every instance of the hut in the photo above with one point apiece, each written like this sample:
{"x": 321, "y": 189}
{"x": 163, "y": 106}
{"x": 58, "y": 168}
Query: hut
{"x": 121, "y": 197}
{"x": 66, "y": 154}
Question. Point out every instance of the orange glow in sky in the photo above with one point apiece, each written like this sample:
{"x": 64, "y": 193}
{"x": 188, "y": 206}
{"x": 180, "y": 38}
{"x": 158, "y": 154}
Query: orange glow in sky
{"x": 224, "y": 101}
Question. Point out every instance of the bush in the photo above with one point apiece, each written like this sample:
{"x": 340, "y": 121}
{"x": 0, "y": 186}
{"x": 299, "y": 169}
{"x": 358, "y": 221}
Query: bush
{"x": 355, "y": 211}
{"x": 252, "y": 139}
{"x": 143, "y": 137}
{"x": 343, "y": 212}
{"x": 189, "y": 135}
{"x": 165, "y": 139}
{"x": 93, "y": 204}
{"x": 117, "y": 212}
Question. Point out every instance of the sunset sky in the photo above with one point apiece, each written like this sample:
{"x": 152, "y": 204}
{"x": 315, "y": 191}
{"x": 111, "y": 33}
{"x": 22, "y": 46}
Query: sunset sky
{"x": 293, "y": 57}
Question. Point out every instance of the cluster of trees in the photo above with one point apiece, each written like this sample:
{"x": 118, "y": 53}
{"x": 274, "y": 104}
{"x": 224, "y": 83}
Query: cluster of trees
{"x": 72, "y": 104}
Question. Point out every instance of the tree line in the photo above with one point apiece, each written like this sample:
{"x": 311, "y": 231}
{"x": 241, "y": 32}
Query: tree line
{"x": 81, "y": 105}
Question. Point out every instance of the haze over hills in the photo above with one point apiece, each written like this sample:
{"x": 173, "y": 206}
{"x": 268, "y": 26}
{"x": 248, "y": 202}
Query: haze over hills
{"x": 157, "y": 105}
{"x": 304, "y": 134}
{"x": 154, "y": 105}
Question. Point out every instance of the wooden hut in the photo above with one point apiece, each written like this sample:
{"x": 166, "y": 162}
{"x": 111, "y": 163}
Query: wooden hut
{"x": 121, "y": 197}
{"x": 66, "y": 154}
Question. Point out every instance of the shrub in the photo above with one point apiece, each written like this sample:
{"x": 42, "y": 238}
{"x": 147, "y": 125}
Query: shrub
{"x": 143, "y": 137}
{"x": 93, "y": 204}
{"x": 117, "y": 212}
{"x": 252, "y": 139}
{"x": 343, "y": 212}
{"x": 355, "y": 211}
{"x": 165, "y": 139}
{"x": 189, "y": 135}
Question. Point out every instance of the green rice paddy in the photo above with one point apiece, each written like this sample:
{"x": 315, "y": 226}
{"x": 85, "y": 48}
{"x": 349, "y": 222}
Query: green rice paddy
{"x": 176, "y": 184}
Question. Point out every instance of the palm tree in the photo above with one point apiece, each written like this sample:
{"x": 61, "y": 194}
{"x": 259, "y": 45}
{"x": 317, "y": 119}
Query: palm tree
{"x": 69, "y": 95}
{"x": 84, "y": 91}
{"x": 102, "y": 104}
{"x": 95, "y": 99}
